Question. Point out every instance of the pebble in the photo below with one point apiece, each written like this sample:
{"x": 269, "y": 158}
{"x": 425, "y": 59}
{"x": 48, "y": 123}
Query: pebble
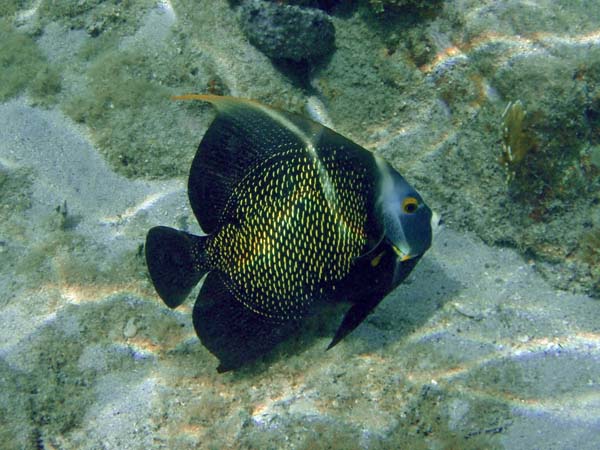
{"x": 130, "y": 329}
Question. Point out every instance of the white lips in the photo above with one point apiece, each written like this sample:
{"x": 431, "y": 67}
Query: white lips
{"x": 436, "y": 223}
{"x": 402, "y": 255}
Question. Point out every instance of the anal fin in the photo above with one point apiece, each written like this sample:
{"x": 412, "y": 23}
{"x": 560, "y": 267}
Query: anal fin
{"x": 232, "y": 332}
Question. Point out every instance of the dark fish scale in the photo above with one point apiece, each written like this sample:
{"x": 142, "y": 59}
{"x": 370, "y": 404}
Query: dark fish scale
{"x": 292, "y": 249}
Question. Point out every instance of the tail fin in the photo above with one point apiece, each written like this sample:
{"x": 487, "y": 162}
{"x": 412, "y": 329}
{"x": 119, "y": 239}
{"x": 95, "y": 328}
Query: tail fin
{"x": 176, "y": 261}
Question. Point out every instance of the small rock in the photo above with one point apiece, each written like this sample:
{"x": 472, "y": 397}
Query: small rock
{"x": 287, "y": 31}
{"x": 130, "y": 329}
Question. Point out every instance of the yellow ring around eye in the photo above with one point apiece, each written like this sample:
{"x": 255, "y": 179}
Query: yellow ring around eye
{"x": 410, "y": 205}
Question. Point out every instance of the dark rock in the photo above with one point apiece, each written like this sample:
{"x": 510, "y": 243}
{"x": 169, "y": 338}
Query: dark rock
{"x": 286, "y": 31}
{"x": 325, "y": 5}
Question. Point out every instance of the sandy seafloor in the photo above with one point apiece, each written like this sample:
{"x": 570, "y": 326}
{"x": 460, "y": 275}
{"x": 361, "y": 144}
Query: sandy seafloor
{"x": 475, "y": 350}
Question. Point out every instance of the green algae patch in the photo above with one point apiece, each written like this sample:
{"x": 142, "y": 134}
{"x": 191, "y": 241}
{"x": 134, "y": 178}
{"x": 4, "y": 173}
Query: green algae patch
{"x": 132, "y": 119}
{"x": 120, "y": 77}
{"x": 131, "y": 57}
{"x": 61, "y": 393}
{"x": 94, "y": 16}
{"x": 16, "y": 432}
{"x": 555, "y": 103}
{"x": 15, "y": 189}
{"x": 24, "y": 67}
{"x": 381, "y": 6}
{"x": 10, "y": 7}
{"x": 45, "y": 87}
{"x": 66, "y": 364}
{"x": 589, "y": 253}
{"x": 436, "y": 417}
{"x": 66, "y": 258}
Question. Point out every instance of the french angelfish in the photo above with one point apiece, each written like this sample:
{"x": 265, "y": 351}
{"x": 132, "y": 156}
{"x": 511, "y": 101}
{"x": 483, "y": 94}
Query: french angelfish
{"x": 295, "y": 215}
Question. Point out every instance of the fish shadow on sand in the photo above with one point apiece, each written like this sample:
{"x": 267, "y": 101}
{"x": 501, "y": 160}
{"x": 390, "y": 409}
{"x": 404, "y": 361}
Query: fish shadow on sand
{"x": 407, "y": 308}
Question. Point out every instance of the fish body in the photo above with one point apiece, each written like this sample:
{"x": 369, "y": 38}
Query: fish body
{"x": 295, "y": 215}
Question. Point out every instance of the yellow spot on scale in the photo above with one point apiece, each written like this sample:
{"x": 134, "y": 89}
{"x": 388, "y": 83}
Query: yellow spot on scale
{"x": 375, "y": 261}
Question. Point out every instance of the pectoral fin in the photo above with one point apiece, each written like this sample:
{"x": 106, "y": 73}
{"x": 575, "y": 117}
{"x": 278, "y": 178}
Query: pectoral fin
{"x": 373, "y": 276}
{"x": 353, "y": 318}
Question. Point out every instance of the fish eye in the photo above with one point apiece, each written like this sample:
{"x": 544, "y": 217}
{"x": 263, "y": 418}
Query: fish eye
{"x": 410, "y": 205}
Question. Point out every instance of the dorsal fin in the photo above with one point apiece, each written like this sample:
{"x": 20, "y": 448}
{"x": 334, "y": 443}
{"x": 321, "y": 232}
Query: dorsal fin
{"x": 243, "y": 133}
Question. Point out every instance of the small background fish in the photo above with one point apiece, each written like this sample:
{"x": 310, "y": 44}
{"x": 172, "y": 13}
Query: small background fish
{"x": 296, "y": 215}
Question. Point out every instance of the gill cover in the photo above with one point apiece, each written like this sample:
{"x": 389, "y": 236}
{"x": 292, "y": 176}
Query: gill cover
{"x": 406, "y": 217}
